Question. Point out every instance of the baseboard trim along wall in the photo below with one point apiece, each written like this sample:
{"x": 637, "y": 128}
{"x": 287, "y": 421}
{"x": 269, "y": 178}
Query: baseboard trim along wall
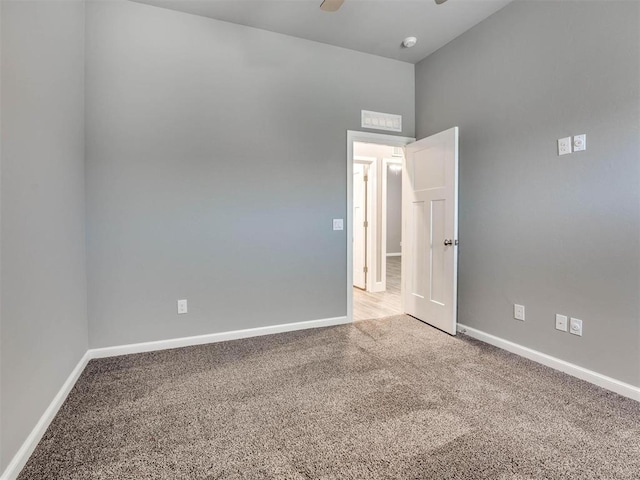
{"x": 22, "y": 456}
{"x": 621, "y": 388}
{"x": 213, "y": 337}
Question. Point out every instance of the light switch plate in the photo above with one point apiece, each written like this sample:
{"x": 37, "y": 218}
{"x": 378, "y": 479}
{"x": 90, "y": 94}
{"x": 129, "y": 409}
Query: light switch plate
{"x": 564, "y": 146}
{"x": 580, "y": 143}
{"x": 518, "y": 312}
{"x": 338, "y": 224}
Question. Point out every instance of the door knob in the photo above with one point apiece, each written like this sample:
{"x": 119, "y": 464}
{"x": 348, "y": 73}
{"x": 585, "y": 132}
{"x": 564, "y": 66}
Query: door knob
{"x": 448, "y": 243}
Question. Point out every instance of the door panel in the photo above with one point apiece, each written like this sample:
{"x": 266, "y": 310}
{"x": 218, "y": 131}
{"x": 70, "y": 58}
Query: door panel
{"x": 418, "y": 286}
{"x": 428, "y": 169}
{"x": 438, "y": 261}
{"x": 430, "y": 222}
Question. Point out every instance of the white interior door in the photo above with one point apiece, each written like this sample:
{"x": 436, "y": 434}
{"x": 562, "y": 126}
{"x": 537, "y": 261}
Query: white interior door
{"x": 430, "y": 230}
{"x": 359, "y": 229}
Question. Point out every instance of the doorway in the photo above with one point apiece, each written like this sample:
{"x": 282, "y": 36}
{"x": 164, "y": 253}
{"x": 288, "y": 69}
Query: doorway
{"x": 428, "y": 270}
{"x": 373, "y": 224}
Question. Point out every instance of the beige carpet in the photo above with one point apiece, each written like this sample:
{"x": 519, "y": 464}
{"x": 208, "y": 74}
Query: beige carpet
{"x": 390, "y": 398}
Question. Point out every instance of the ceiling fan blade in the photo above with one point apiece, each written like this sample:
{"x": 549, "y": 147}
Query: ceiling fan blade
{"x": 331, "y": 5}
{"x": 440, "y": 2}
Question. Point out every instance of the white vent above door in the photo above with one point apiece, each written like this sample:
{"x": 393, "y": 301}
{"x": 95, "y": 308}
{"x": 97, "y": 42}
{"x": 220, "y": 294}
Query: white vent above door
{"x": 381, "y": 121}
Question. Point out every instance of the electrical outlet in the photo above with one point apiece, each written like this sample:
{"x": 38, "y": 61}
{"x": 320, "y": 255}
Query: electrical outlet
{"x": 518, "y": 312}
{"x": 338, "y": 224}
{"x": 561, "y": 322}
{"x": 564, "y": 146}
{"x": 576, "y": 327}
{"x": 182, "y": 307}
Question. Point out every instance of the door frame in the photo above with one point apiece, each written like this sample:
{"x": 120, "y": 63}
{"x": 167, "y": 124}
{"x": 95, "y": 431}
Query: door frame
{"x": 384, "y": 180}
{"x": 365, "y": 137}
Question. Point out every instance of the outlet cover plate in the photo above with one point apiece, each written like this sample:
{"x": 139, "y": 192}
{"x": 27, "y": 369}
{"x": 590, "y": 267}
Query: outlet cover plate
{"x": 561, "y": 322}
{"x": 576, "y": 327}
{"x": 518, "y": 312}
{"x": 580, "y": 143}
{"x": 564, "y": 146}
{"x": 182, "y": 307}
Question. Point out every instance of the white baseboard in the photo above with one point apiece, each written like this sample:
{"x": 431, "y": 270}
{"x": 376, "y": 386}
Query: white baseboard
{"x": 19, "y": 460}
{"x": 622, "y": 388}
{"x": 213, "y": 337}
{"x": 394, "y": 254}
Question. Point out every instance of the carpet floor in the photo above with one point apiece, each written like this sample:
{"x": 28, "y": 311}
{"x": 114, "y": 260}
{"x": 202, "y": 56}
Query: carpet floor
{"x": 390, "y": 398}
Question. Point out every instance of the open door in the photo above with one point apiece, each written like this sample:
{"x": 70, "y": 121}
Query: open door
{"x": 359, "y": 226}
{"x": 430, "y": 230}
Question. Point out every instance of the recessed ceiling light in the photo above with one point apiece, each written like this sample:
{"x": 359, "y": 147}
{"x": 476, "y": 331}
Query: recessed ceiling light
{"x": 409, "y": 42}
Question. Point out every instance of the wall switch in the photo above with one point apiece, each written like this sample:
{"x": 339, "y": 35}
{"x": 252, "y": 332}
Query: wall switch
{"x": 561, "y": 322}
{"x": 338, "y": 224}
{"x": 576, "y": 327}
{"x": 564, "y": 146}
{"x": 182, "y": 307}
{"x": 518, "y": 312}
{"x": 580, "y": 143}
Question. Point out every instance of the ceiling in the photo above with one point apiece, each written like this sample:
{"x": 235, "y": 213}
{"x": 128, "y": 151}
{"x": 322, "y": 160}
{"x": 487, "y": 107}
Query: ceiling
{"x": 372, "y": 26}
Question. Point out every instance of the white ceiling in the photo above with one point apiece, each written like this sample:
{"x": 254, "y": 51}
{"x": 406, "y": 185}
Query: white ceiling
{"x": 371, "y": 26}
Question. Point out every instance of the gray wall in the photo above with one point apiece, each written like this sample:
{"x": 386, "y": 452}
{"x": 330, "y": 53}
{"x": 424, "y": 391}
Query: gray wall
{"x": 557, "y": 234}
{"x": 216, "y": 159}
{"x": 394, "y": 211}
{"x": 44, "y": 319}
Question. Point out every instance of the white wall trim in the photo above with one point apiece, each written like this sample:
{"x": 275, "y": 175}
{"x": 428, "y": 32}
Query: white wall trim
{"x": 622, "y": 388}
{"x": 22, "y": 455}
{"x": 398, "y": 254}
{"x": 213, "y": 337}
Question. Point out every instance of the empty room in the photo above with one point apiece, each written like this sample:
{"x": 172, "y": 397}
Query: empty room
{"x": 319, "y": 239}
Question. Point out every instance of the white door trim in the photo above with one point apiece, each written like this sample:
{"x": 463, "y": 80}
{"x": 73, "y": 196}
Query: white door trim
{"x": 366, "y": 137}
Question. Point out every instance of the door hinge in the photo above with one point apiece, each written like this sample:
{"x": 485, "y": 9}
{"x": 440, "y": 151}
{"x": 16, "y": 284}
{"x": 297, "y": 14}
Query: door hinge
{"x": 366, "y": 270}
{"x": 366, "y": 224}
{"x": 366, "y": 178}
